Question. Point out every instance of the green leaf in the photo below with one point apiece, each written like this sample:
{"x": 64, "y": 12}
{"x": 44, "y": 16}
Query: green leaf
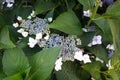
{"x": 2, "y": 20}
{"x": 44, "y": 6}
{"x": 106, "y": 31}
{"x": 14, "y": 77}
{"x": 115, "y": 29}
{"x": 68, "y": 23}
{"x": 43, "y": 63}
{"x": 87, "y": 4}
{"x": 2, "y": 75}
{"x": 14, "y": 61}
{"x": 114, "y": 75}
{"x": 5, "y": 41}
{"x": 86, "y": 38}
{"x": 113, "y": 10}
{"x": 100, "y": 52}
{"x": 94, "y": 69}
{"x": 68, "y": 72}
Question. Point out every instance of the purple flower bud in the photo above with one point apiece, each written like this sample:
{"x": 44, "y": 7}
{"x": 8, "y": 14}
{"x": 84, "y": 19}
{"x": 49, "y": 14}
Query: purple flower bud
{"x": 110, "y": 53}
{"x": 109, "y": 2}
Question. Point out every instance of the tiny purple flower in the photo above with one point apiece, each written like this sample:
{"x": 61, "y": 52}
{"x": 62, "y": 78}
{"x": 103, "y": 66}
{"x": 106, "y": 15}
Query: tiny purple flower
{"x": 109, "y": 2}
{"x": 110, "y": 53}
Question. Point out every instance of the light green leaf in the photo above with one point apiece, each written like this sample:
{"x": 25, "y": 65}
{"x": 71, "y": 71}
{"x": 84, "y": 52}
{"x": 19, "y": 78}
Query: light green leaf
{"x": 113, "y": 75}
{"x": 115, "y": 29}
{"x": 87, "y": 4}
{"x": 94, "y": 69}
{"x": 14, "y": 77}
{"x": 68, "y": 72}
{"x": 14, "y": 61}
{"x": 5, "y": 41}
{"x": 68, "y": 23}
{"x": 113, "y": 10}
{"x": 43, "y": 63}
{"x": 44, "y": 6}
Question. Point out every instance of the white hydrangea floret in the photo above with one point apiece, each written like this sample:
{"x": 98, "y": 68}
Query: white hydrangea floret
{"x": 15, "y": 25}
{"x": 9, "y": 5}
{"x": 87, "y": 13}
{"x": 29, "y": 17}
{"x": 46, "y": 37}
{"x": 38, "y": 36}
{"x": 24, "y": 34}
{"x": 32, "y": 42}
{"x": 33, "y": 13}
{"x": 86, "y": 58}
{"x": 110, "y": 46}
{"x": 50, "y": 19}
{"x": 97, "y": 40}
{"x": 79, "y": 55}
{"x": 58, "y": 64}
{"x": 19, "y": 18}
{"x": 20, "y": 30}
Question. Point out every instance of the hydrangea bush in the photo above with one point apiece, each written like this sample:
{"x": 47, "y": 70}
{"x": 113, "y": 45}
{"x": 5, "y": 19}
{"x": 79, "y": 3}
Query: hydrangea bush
{"x": 59, "y": 40}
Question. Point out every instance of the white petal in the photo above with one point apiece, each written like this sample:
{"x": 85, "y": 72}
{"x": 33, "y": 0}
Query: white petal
{"x": 15, "y": 25}
{"x": 46, "y": 37}
{"x": 32, "y": 14}
{"x": 50, "y": 19}
{"x": 84, "y": 29}
{"x": 32, "y": 42}
{"x": 98, "y": 59}
{"x": 19, "y": 18}
{"x": 87, "y": 13}
{"x": 38, "y": 36}
{"x": 9, "y": 5}
{"x": 79, "y": 55}
{"x": 20, "y": 30}
{"x": 58, "y": 67}
{"x": 110, "y": 46}
{"x": 86, "y": 58}
{"x": 58, "y": 64}
{"x": 24, "y": 34}
{"x": 29, "y": 17}
{"x": 94, "y": 42}
{"x": 90, "y": 44}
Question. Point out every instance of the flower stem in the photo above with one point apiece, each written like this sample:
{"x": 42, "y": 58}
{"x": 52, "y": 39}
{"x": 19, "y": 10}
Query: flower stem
{"x": 67, "y": 4}
{"x": 94, "y": 13}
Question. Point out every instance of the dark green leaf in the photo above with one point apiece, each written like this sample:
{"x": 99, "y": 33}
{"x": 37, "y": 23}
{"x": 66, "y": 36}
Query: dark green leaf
{"x": 67, "y": 22}
{"x": 5, "y": 41}
{"x": 100, "y": 52}
{"x": 43, "y": 63}
{"x": 44, "y": 6}
{"x": 113, "y": 10}
{"x": 68, "y": 72}
{"x": 94, "y": 69}
{"x": 87, "y": 4}
{"x": 14, "y": 61}
{"x": 106, "y": 31}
